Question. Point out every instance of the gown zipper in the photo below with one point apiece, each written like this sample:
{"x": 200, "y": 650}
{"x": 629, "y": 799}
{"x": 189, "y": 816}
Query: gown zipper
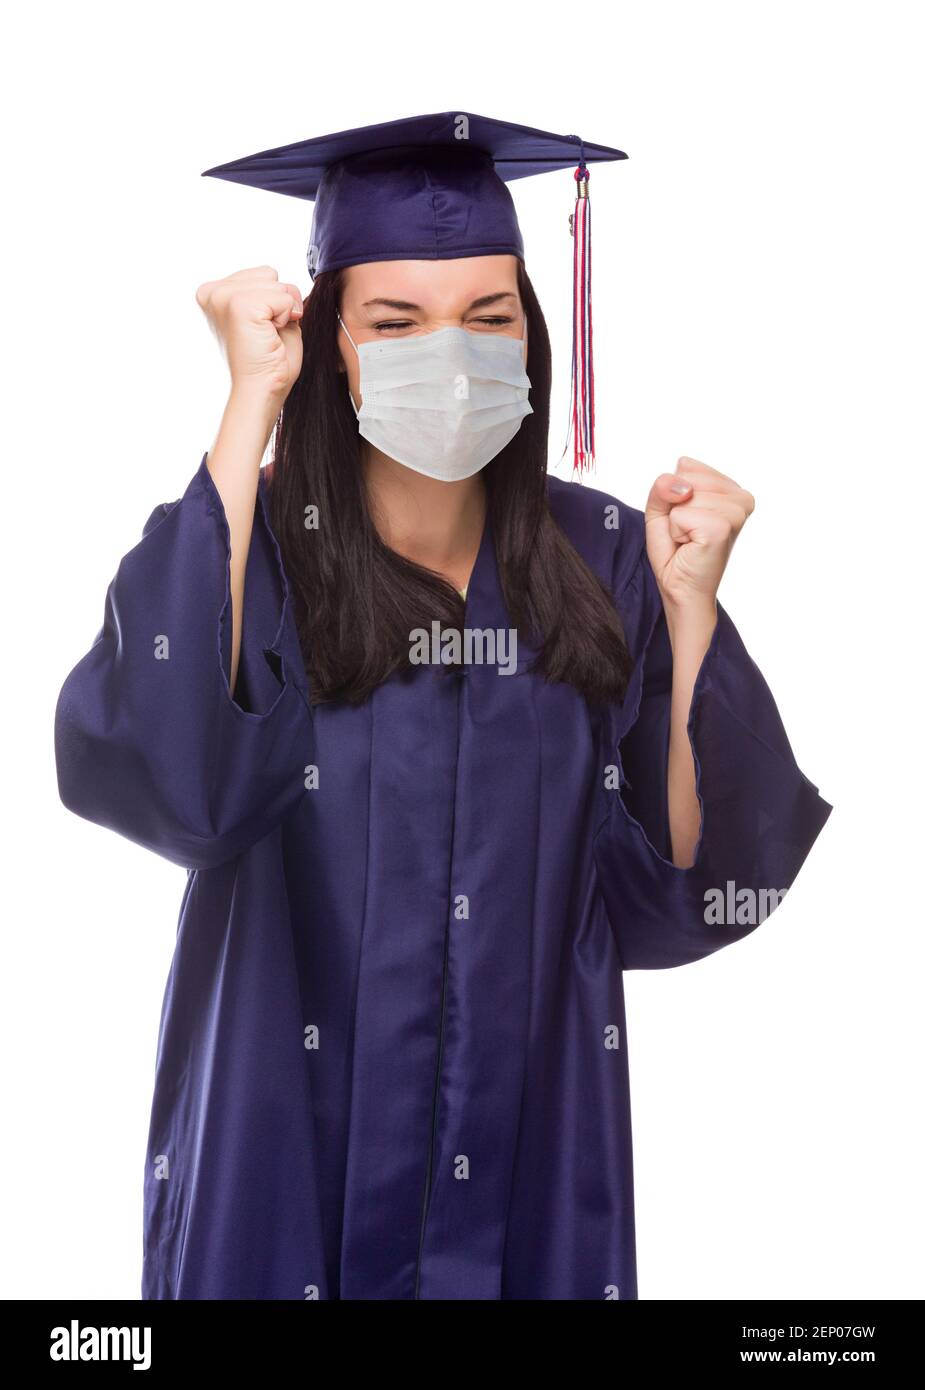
{"x": 428, "y": 1180}
{"x": 433, "y": 1114}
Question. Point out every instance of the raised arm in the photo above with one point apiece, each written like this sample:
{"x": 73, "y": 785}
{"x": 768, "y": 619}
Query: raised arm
{"x": 693, "y": 517}
{"x": 712, "y": 818}
{"x": 257, "y": 322}
{"x": 187, "y": 725}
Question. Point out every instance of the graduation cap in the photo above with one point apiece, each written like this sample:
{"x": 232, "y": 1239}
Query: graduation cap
{"x": 435, "y": 188}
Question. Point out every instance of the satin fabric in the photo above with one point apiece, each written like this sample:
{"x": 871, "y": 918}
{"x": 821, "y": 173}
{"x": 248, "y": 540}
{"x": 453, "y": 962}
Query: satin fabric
{"x": 431, "y": 187}
{"x": 392, "y": 1060}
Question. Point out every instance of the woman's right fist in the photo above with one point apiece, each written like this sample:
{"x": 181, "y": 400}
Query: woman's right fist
{"x": 258, "y": 323}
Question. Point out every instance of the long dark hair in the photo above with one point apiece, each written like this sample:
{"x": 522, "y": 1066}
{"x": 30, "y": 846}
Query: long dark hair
{"x": 357, "y": 600}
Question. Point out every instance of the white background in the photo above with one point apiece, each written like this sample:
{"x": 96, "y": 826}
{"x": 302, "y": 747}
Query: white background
{"x": 758, "y": 300}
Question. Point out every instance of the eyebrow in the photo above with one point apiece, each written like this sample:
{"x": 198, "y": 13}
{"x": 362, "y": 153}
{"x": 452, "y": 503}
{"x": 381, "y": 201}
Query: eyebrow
{"x": 405, "y": 304}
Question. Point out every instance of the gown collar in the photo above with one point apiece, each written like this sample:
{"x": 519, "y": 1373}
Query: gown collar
{"x": 485, "y": 602}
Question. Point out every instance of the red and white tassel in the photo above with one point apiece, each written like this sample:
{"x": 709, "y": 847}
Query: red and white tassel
{"x": 581, "y": 406}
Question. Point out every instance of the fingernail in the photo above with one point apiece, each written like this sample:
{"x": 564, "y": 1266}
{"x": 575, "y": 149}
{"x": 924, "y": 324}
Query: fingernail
{"x": 680, "y": 487}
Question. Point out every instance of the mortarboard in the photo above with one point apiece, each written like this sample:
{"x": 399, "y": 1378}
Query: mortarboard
{"x": 435, "y": 188}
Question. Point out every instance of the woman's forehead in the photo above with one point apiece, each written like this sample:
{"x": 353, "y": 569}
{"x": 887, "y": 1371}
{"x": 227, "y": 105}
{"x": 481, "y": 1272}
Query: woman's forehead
{"x": 431, "y": 284}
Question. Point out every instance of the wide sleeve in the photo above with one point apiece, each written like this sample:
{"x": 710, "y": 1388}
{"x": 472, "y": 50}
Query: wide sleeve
{"x": 760, "y": 815}
{"x": 149, "y": 740}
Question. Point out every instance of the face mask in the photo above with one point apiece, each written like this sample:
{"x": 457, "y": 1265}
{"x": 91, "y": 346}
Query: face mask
{"x": 442, "y": 403}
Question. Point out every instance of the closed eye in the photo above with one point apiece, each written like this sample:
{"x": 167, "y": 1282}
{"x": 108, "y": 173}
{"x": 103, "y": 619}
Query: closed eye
{"x": 400, "y": 325}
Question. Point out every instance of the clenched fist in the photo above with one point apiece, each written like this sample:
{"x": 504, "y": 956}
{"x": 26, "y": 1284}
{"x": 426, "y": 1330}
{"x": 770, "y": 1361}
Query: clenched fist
{"x": 257, "y": 321}
{"x": 693, "y": 517}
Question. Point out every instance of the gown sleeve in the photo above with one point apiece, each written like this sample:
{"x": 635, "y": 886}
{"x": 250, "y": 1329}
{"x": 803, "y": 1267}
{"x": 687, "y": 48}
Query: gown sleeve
{"x": 149, "y": 740}
{"x": 760, "y": 815}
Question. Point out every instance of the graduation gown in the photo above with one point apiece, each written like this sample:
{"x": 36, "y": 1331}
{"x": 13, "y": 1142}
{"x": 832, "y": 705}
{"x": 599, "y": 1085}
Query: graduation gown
{"x": 392, "y": 1058}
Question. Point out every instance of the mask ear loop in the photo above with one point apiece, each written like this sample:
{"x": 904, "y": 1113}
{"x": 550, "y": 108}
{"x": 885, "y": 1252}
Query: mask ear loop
{"x": 357, "y": 351}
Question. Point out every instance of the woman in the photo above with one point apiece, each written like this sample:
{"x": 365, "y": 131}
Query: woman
{"x": 392, "y": 1060}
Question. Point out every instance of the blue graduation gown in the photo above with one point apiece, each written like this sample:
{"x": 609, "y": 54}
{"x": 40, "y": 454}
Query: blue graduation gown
{"x": 392, "y": 1060}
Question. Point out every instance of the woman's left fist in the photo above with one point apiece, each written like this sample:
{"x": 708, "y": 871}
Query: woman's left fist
{"x": 693, "y": 517}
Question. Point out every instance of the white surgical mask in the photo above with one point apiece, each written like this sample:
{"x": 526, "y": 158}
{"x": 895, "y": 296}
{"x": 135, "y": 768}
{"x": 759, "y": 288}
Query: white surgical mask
{"x": 442, "y": 403}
